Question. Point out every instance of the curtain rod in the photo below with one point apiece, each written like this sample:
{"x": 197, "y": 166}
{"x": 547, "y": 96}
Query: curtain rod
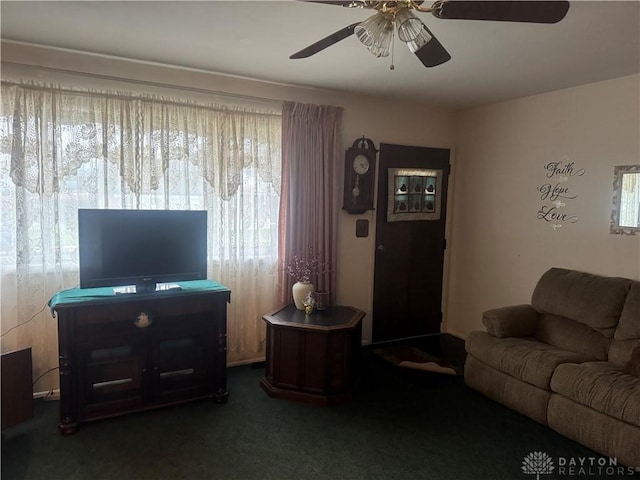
{"x": 165, "y": 101}
{"x": 149, "y": 83}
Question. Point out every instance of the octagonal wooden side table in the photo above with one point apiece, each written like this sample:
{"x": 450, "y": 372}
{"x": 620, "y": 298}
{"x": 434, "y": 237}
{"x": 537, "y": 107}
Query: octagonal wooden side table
{"x": 313, "y": 358}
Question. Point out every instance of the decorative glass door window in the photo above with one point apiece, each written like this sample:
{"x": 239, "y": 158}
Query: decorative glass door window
{"x": 414, "y": 194}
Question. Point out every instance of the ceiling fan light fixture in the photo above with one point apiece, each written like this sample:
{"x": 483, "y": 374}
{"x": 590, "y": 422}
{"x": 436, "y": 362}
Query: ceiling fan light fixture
{"x": 382, "y": 47}
{"x": 411, "y": 30}
{"x": 420, "y": 41}
{"x": 376, "y": 33}
{"x": 408, "y": 25}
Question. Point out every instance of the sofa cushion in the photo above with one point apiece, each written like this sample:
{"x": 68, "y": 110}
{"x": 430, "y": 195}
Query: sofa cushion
{"x": 511, "y": 392}
{"x": 620, "y": 351}
{"x": 526, "y": 359}
{"x": 511, "y": 321}
{"x": 590, "y": 299}
{"x": 633, "y": 365}
{"x": 572, "y": 335}
{"x": 629, "y": 325}
{"x": 608, "y": 436}
{"x": 602, "y": 386}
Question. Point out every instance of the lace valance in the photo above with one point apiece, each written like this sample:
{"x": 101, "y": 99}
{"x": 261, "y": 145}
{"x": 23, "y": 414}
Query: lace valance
{"x": 52, "y": 132}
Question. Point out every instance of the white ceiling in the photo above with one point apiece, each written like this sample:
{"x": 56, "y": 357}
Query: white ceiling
{"x": 491, "y": 61}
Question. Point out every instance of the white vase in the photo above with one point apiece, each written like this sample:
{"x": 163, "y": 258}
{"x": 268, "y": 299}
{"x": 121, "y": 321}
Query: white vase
{"x": 300, "y": 291}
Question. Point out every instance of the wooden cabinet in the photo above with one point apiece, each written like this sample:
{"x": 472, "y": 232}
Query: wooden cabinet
{"x": 313, "y": 358}
{"x": 127, "y": 353}
{"x": 17, "y": 387}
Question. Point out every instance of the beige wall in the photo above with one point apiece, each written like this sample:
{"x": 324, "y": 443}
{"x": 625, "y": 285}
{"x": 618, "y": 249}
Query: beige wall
{"x": 499, "y": 248}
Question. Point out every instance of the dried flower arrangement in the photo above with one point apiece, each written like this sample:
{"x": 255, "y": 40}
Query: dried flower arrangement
{"x": 305, "y": 268}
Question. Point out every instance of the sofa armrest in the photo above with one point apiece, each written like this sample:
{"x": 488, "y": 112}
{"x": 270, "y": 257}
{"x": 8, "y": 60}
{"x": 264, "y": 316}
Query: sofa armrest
{"x": 512, "y": 321}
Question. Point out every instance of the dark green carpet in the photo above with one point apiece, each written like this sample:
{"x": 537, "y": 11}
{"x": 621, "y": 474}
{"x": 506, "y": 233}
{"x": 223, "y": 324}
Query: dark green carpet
{"x": 400, "y": 425}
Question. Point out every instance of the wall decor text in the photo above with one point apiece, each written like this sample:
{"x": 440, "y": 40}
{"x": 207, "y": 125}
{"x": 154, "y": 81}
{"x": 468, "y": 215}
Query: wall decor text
{"x": 557, "y": 192}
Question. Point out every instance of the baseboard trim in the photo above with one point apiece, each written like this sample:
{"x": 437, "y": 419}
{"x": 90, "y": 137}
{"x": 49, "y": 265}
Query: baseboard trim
{"x": 246, "y": 362}
{"x": 48, "y": 394}
{"x": 459, "y": 335}
{"x": 404, "y": 339}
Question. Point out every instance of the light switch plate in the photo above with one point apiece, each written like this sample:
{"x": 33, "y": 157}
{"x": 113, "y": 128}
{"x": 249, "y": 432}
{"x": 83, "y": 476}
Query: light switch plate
{"x": 362, "y": 228}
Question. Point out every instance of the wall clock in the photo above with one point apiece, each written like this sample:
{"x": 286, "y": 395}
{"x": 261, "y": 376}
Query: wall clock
{"x": 359, "y": 176}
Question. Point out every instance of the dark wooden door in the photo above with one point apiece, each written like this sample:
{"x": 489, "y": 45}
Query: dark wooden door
{"x": 410, "y": 241}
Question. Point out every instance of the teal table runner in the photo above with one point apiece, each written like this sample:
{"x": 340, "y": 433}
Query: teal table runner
{"x": 74, "y": 296}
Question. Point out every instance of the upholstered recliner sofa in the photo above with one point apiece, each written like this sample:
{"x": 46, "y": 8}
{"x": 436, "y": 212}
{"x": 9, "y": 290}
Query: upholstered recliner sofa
{"x": 568, "y": 360}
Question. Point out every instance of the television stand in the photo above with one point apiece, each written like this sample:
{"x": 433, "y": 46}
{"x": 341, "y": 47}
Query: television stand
{"x": 128, "y": 353}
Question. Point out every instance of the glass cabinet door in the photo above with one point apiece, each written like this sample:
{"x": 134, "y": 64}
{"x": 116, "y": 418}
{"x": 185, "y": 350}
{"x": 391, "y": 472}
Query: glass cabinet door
{"x": 183, "y": 365}
{"x": 112, "y": 374}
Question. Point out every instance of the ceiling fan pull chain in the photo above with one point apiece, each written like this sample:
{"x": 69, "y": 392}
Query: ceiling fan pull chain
{"x": 393, "y": 49}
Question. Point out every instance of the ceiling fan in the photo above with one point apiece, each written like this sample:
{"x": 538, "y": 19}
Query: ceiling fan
{"x": 377, "y": 31}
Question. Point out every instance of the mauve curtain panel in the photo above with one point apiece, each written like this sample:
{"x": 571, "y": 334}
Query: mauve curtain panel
{"x": 311, "y": 159}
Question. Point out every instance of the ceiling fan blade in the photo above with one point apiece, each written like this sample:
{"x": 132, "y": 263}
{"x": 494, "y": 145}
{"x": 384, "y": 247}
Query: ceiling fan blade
{"x": 432, "y": 53}
{"x": 503, "y": 11}
{"x": 325, "y": 42}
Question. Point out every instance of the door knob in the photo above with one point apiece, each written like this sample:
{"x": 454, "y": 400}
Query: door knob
{"x": 380, "y": 248}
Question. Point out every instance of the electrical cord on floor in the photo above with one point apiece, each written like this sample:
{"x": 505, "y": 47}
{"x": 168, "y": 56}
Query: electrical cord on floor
{"x": 43, "y": 374}
{"x": 24, "y": 323}
{"x": 50, "y": 395}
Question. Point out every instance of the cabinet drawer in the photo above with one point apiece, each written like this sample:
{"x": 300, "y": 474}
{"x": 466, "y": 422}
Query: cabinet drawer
{"x": 162, "y": 307}
{"x": 134, "y": 324}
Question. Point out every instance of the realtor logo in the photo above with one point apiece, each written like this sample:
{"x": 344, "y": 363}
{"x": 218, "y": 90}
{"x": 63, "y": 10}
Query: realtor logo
{"x": 537, "y": 463}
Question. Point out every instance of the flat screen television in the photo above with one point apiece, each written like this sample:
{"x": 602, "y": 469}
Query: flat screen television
{"x": 142, "y": 248}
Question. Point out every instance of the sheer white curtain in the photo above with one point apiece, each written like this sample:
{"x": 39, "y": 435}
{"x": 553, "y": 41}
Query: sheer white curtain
{"x": 61, "y": 150}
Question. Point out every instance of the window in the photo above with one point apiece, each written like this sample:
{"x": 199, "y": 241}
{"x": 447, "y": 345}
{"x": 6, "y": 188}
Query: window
{"x": 61, "y": 150}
